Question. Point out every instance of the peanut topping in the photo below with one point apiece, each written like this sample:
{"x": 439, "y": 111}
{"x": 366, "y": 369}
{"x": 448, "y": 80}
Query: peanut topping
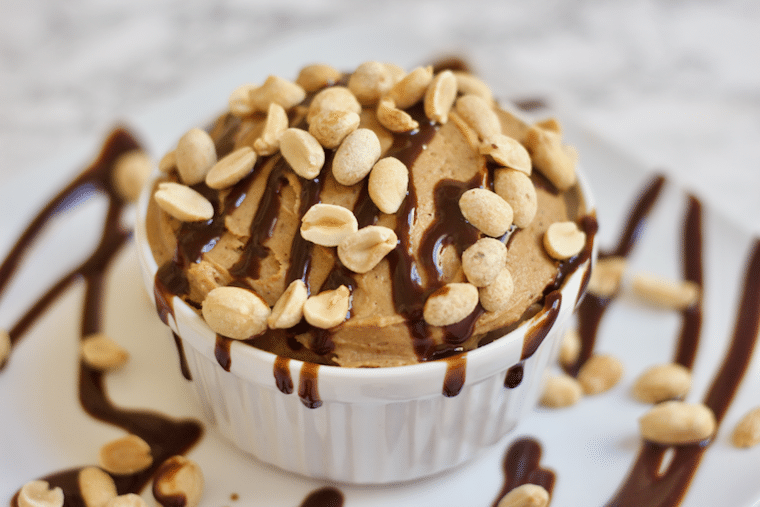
{"x": 195, "y": 154}
{"x": 486, "y": 211}
{"x": 39, "y": 494}
{"x": 355, "y": 157}
{"x": 570, "y": 348}
{"x": 179, "y": 477}
{"x": 168, "y": 162}
{"x": 125, "y": 456}
{"x": 467, "y": 84}
{"x": 479, "y": 115}
{"x": 102, "y": 353}
{"x": 677, "y": 422}
{"x": 182, "y": 202}
{"x": 555, "y": 160}
{"x": 130, "y": 172}
{"x": 235, "y": 312}
{"x": 288, "y": 310}
{"x": 670, "y": 294}
{"x": 317, "y": 76}
{"x": 450, "y": 304}
{"x": 276, "y": 123}
{"x": 563, "y": 240}
{"x": 335, "y": 98}
{"x": 393, "y": 118}
{"x": 606, "y": 276}
{"x": 507, "y": 152}
{"x": 371, "y": 80}
{"x": 440, "y": 96}
{"x": 331, "y": 127}
{"x": 96, "y": 486}
{"x": 517, "y": 189}
{"x": 277, "y": 90}
{"x": 388, "y": 184}
{"x": 483, "y": 261}
{"x": 231, "y": 169}
{"x": 496, "y": 295}
{"x": 561, "y": 391}
{"x": 365, "y": 248}
{"x": 600, "y": 373}
{"x": 747, "y": 431}
{"x": 240, "y": 100}
{"x": 662, "y": 382}
{"x": 328, "y": 308}
{"x": 411, "y": 88}
{"x": 328, "y": 224}
{"x": 526, "y": 495}
{"x": 128, "y": 500}
{"x": 304, "y": 153}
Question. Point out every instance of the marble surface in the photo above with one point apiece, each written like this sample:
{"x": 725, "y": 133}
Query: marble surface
{"x": 674, "y": 83}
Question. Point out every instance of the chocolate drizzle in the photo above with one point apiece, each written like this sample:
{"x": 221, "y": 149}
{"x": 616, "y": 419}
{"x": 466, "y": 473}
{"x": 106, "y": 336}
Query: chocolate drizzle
{"x": 324, "y": 497}
{"x": 592, "y": 308}
{"x": 522, "y": 465}
{"x": 166, "y": 437}
{"x": 647, "y": 485}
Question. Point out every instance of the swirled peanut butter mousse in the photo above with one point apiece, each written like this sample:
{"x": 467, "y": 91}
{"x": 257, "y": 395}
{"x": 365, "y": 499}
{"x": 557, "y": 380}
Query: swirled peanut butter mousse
{"x": 377, "y": 218}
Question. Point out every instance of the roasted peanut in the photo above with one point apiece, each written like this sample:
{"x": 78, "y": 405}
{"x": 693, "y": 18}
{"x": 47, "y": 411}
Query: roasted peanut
{"x": 182, "y": 202}
{"x": 231, "y": 169}
{"x": 328, "y": 308}
{"x": 662, "y": 382}
{"x": 317, "y": 76}
{"x": 100, "y": 352}
{"x": 670, "y": 294}
{"x": 179, "y": 477}
{"x": 130, "y": 172}
{"x": 96, "y": 486}
{"x": 328, "y": 224}
{"x": 364, "y": 249}
{"x": 677, "y": 422}
{"x": 526, "y": 495}
{"x": 125, "y": 456}
{"x": 277, "y": 90}
{"x": 496, "y": 295}
{"x": 563, "y": 240}
{"x": 747, "y": 431}
{"x": 355, "y": 157}
{"x": 235, "y": 312}
{"x": 600, "y": 373}
{"x": 561, "y": 391}
{"x": 486, "y": 211}
{"x": 450, "y": 304}
{"x": 288, "y": 310}
{"x": 517, "y": 189}
{"x": 388, "y": 184}
{"x": 39, "y": 494}
{"x": 195, "y": 155}
{"x": 482, "y": 261}
{"x": 304, "y": 153}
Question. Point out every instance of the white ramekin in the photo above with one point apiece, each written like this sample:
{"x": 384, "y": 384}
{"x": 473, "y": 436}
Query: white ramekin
{"x": 379, "y": 425}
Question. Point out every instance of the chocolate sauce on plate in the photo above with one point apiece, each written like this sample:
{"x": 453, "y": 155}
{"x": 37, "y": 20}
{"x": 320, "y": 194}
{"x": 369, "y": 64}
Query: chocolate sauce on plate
{"x": 522, "y": 465}
{"x": 166, "y": 436}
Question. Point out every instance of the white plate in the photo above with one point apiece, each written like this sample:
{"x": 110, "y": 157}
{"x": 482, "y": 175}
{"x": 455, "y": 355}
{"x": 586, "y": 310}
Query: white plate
{"x": 590, "y": 446}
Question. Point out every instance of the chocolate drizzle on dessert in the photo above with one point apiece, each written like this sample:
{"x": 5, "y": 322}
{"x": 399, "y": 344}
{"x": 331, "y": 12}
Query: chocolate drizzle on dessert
{"x": 514, "y": 376}
{"x": 282, "y": 377}
{"x": 522, "y": 465}
{"x": 222, "y": 352}
{"x": 456, "y": 368}
{"x": 166, "y": 437}
{"x": 538, "y": 331}
{"x": 184, "y": 368}
{"x": 307, "y": 386}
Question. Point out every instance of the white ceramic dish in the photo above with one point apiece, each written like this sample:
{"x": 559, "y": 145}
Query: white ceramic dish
{"x": 374, "y": 426}
{"x": 590, "y": 446}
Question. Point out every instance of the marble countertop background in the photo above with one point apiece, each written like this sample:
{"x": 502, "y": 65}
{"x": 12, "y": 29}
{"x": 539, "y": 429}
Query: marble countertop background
{"x": 675, "y": 83}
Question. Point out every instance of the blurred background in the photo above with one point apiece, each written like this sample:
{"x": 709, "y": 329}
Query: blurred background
{"x": 676, "y": 84}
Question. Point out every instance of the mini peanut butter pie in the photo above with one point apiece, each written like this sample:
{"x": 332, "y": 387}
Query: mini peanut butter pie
{"x": 376, "y": 218}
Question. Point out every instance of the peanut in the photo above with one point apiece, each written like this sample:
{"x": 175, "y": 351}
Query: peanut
{"x": 235, "y": 312}
{"x": 365, "y": 248}
{"x": 677, "y": 422}
{"x": 182, "y": 202}
{"x": 288, "y": 310}
{"x": 388, "y": 184}
{"x": 100, "y": 352}
{"x": 669, "y": 294}
{"x": 328, "y": 224}
{"x": 747, "y": 431}
{"x": 662, "y": 382}
{"x": 96, "y": 486}
{"x": 328, "y": 308}
{"x": 231, "y": 169}
{"x": 482, "y": 261}
{"x": 304, "y": 153}
{"x": 600, "y": 373}
{"x": 563, "y": 240}
{"x": 486, "y": 211}
{"x": 561, "y": 391}
{"x": 450, "y": 304}
{"x": 195, "y": 155}
{"x": 355, "y": 157}
{"x": 179, "y": 477}
{"x": 125, "y": 456}
{"x": 517, "y": 189}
